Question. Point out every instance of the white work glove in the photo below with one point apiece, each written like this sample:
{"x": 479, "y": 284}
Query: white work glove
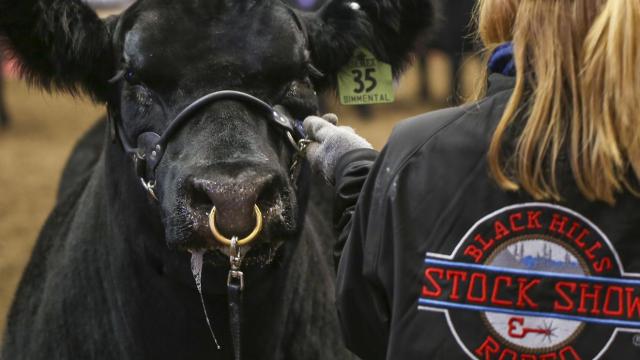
{"x": 329, "y": 142}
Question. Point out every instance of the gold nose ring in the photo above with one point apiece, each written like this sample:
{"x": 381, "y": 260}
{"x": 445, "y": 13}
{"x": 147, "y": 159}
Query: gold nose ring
{"x": 244, "y": 241}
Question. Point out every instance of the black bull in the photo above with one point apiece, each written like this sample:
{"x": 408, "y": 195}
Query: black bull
{"x": 109, "y": 276}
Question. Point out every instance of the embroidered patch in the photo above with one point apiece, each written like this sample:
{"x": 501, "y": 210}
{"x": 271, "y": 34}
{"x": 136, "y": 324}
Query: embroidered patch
{"x": 543, "y": 281}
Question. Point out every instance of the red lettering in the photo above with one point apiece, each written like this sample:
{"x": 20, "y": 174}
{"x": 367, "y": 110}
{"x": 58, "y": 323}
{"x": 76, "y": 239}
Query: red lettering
{"x": 633, "y": 304}
{"x": 528, "y": 357}
{"x": 594, "y": 247}
{"x": 570, "y": 351}
{"x": 457, "y": 275}
{"x": 437, "y": 290}
{"x": 573, "y": 229}
{"x": 473, "y": 252}
{"x": 489, "y": 347}
{"x": 569, "y": 302}
{"x": 512, "y": 221}
{"x": 558, "y": 222}
{"x": 508, "y": 352}
{"x": 500, "y": 229}
{"x": 485, "y": 244}
{"x": 550, "y": 356}
{"x": 580, "y": 238}
{"x": 483, "y": 288}
{"x": 594, "y": 296}
{"x": 607, "y": 301}
{"x": 496, "y": 289}
{"x": 522, "y": 293}
{"x": 603, "y": 265}
{"x": 534, "y": 219}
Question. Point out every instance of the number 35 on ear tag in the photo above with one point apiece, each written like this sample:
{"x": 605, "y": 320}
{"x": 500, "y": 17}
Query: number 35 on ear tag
{"x": 365, "y": 80}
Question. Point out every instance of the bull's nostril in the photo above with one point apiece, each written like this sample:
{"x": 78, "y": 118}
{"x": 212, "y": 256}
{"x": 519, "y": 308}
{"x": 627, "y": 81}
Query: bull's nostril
{"x": 234, "y": 202}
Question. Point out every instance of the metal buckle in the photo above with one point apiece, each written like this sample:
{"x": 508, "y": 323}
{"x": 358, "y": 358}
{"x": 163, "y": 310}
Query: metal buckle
{"x": 235, "y": 276}
{"x": 301, "y": 147}
{"x": 150, "y": 186}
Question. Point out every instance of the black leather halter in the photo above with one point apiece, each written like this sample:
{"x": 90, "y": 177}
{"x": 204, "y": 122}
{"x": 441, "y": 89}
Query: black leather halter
{"x": 150, "y": 146}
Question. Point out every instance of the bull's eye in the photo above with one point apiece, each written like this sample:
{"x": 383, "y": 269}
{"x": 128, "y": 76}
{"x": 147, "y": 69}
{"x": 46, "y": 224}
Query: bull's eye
{"x": 130, "y": 76}
{"x": 127, "y": 74}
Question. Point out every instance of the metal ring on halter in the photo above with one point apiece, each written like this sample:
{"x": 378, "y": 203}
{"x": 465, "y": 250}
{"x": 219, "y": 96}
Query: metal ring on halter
{"x": 244, "y": 241}
{"x": 150, "y": 187}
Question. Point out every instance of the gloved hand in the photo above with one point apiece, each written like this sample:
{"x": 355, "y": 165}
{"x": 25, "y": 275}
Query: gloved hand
{"x": 329, "y": 142}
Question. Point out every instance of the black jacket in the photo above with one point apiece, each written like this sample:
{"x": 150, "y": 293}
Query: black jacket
{"x": 437, "y": 262}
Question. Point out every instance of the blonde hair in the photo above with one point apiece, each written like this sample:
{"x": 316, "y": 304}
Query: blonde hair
{"x": 577, "y": 87}
{"x": 495, "y": 20}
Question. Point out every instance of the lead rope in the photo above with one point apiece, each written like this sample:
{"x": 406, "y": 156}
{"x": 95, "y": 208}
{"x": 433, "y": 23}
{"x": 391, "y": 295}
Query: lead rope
{"x": 235, "y": 285}
{"x": 235, "y": 279}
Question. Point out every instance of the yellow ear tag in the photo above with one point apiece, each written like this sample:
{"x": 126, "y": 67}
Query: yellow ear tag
{"x": 365, "y": 80}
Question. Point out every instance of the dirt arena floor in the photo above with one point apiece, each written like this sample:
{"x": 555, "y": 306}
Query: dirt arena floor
{"x": 44, "y": 128}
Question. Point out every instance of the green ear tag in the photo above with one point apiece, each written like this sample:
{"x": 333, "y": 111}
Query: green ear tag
{"x": 365, "y": 80}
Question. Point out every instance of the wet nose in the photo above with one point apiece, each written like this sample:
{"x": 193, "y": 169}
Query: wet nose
{"x": 234, "y": 202}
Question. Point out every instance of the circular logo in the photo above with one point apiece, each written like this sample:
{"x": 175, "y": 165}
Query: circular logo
{"x": 533, "y": 281}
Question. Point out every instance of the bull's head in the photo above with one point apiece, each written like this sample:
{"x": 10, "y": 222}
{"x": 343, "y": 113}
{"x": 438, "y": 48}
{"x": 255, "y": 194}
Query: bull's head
{"x": 162, "y": 55}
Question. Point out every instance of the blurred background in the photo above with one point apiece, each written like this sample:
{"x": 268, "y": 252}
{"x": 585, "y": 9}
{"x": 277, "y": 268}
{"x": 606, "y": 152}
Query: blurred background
{"x": 38, "y": 130}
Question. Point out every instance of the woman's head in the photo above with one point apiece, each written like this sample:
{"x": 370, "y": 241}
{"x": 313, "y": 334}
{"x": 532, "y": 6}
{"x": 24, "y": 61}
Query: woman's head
{"x": 576, "y": 87}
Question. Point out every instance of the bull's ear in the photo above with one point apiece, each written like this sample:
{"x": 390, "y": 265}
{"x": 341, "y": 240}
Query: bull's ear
{"x": 60, "y": 44}
{"x": 389, "y": 28}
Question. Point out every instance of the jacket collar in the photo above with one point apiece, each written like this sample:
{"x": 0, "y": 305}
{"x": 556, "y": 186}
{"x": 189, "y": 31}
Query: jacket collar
{"x": 499, "y": 82}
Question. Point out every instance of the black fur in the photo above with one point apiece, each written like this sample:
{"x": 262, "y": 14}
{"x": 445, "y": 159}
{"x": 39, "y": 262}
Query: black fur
{"x": 109, "y": 276}
{"x": 91, "y": 292}
{"x": 61, "y": 44}
{"x": 83, "y": 158}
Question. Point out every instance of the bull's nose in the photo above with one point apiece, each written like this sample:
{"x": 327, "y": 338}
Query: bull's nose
{"x": 234, "y": 202}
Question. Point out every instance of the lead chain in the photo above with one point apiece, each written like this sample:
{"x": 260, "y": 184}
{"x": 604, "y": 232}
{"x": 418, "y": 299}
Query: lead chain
{"x": 235, "y": 261}
{"x": 235, "y": 285}
{"x": 297, "y": 158}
